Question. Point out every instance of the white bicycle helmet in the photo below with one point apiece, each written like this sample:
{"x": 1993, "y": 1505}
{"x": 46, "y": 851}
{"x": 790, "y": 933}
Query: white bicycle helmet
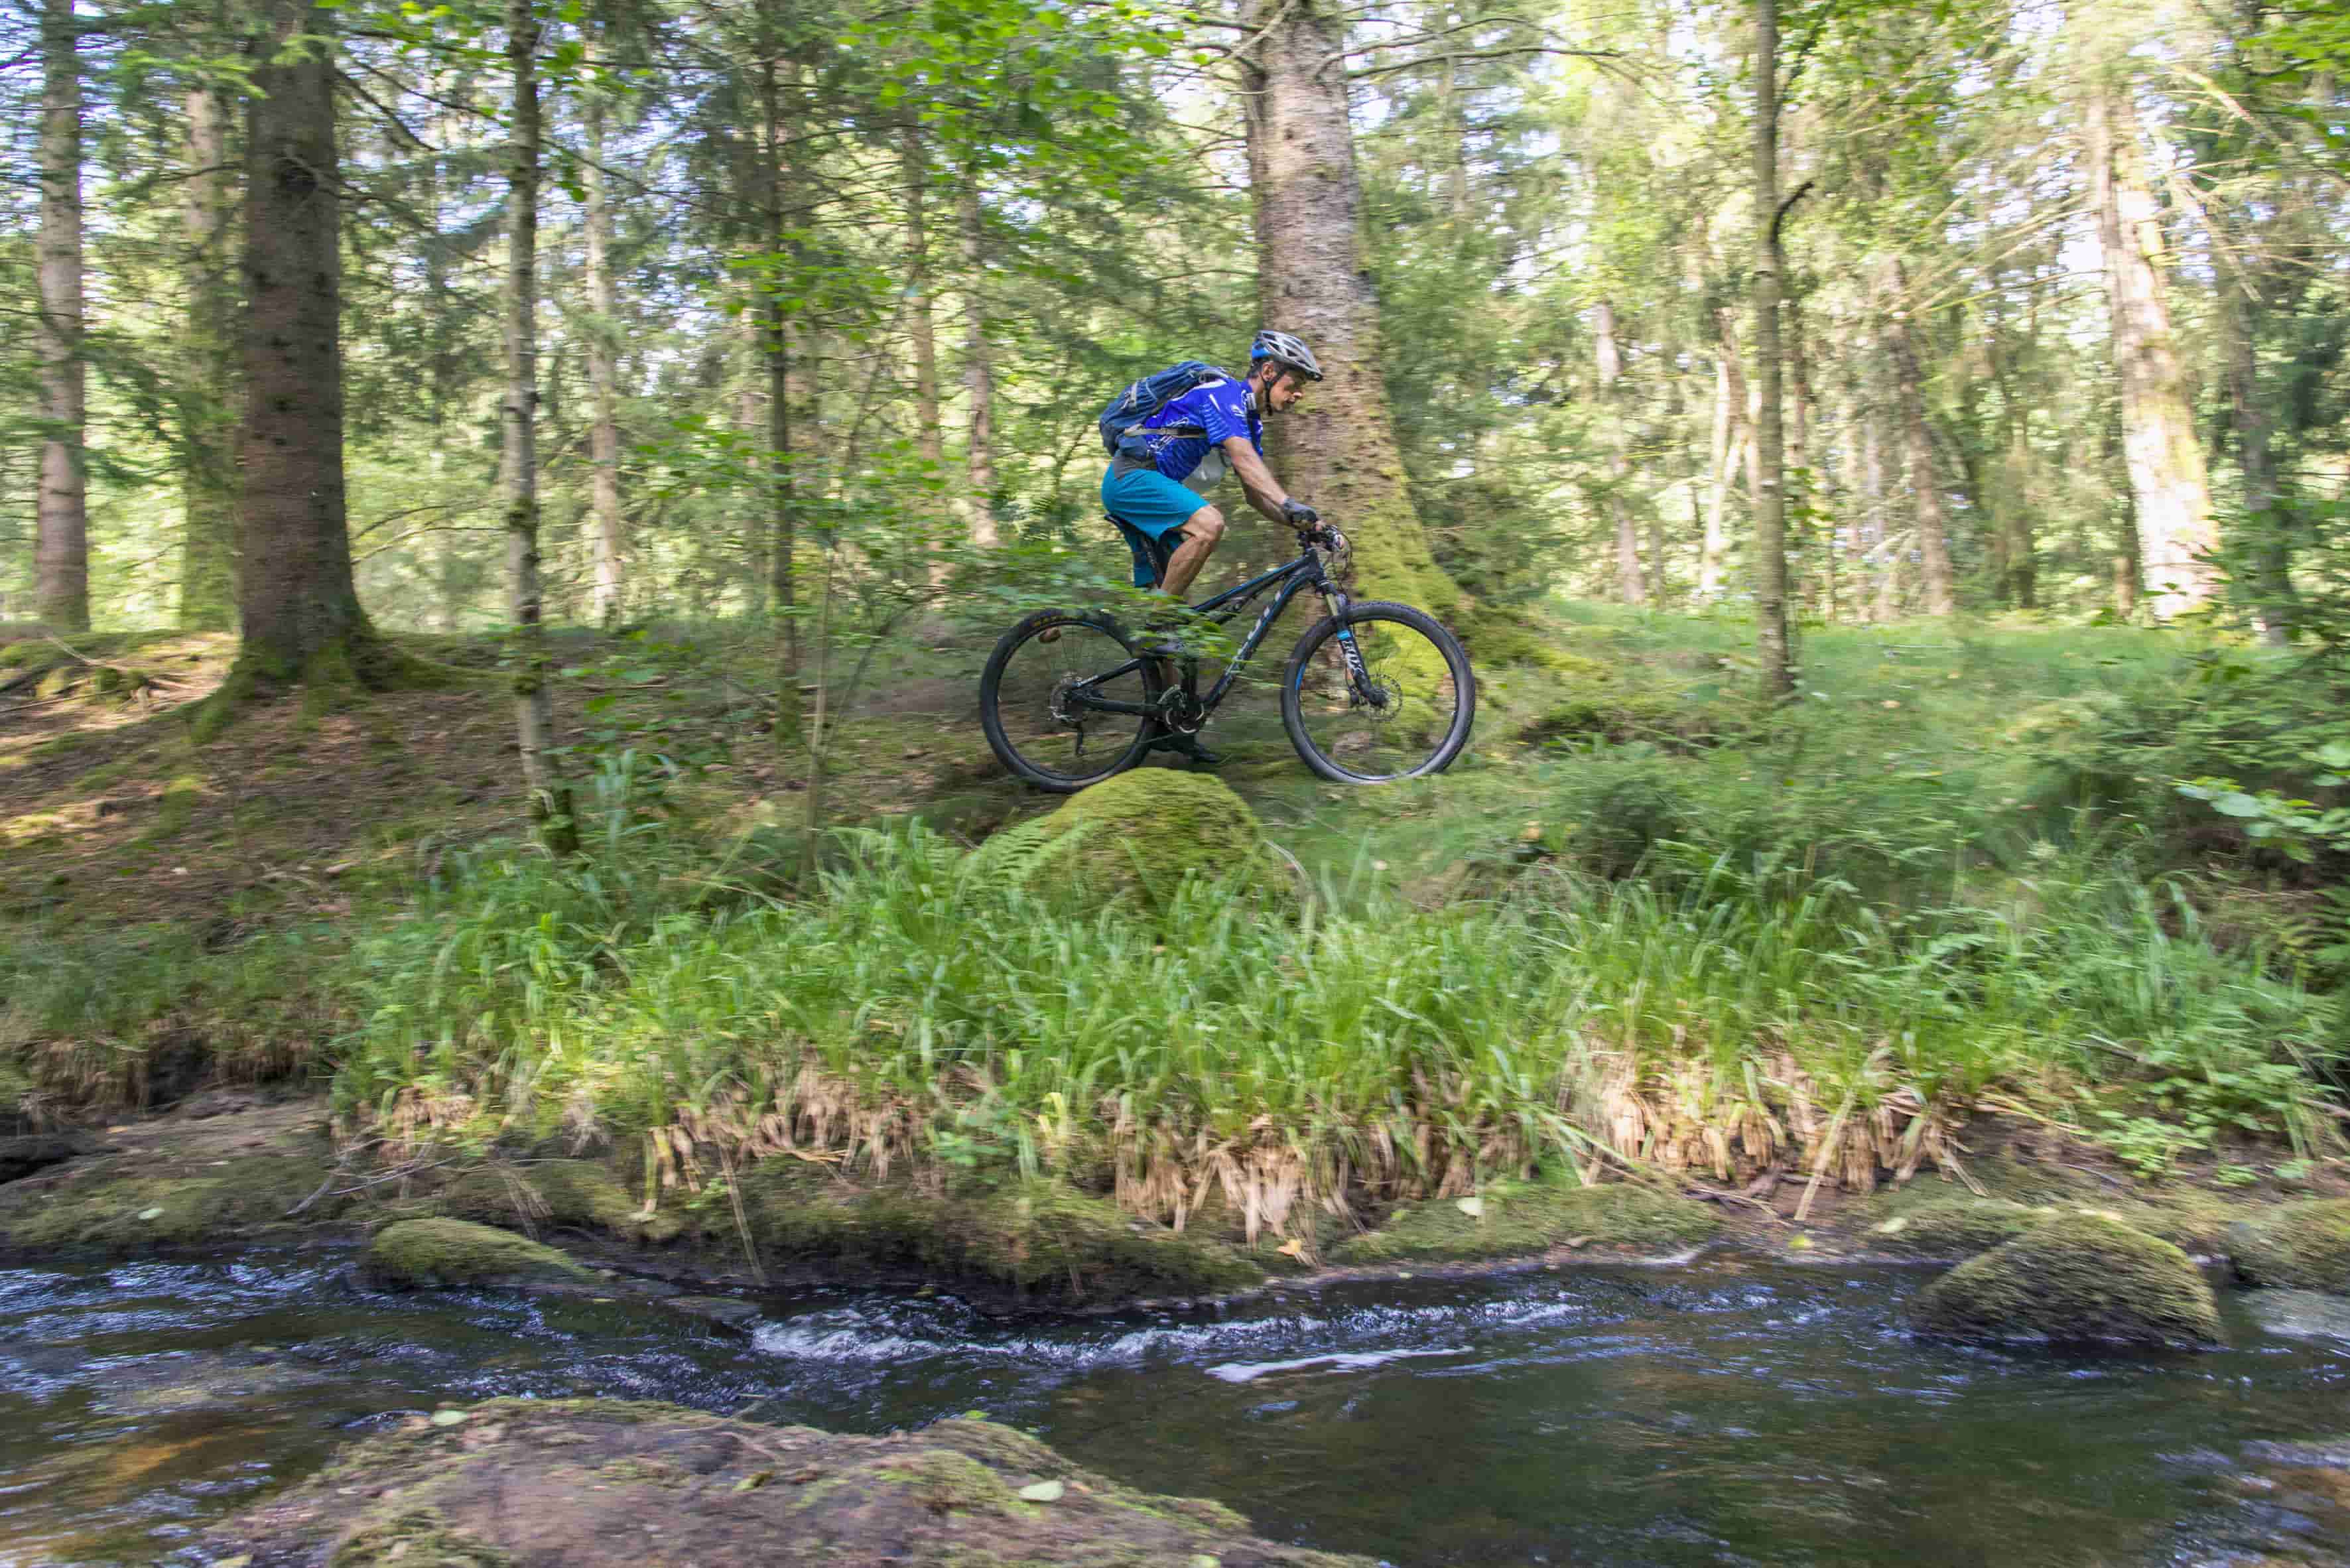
{"x": 1288, "y": 349}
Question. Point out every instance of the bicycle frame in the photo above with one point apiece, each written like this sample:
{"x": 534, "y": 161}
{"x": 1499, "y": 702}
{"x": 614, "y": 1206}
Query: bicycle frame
{"x": 1304, "y": 573}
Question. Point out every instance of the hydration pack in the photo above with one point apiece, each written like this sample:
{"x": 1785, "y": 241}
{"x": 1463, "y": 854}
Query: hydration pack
{"x": 1150, "y": 394}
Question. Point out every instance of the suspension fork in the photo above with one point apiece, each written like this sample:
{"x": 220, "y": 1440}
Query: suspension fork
{"x": 1358, "y": 675}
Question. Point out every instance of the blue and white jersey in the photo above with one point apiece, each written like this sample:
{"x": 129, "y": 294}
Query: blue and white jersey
{"x": 1220, "y": 409}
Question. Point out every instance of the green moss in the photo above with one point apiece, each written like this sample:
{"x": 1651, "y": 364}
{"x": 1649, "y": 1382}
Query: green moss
{"x": 178, "y": 806}
{"x": 1136, "y": 836}
{"x": 946, "y": 1481}
{"x": 423, "y": 1253}
{"x": 126, "y": 1216}
{"x": 2076, "y": 1277}
{"x": 2304, "y": 1245}
{"x": 1523, "y": 1219}
{"x": 577, "y": 1194}
{"x": 1033, "y": 1237}
{"x": 1952, "y": 1227}
{"x": 415, "y": 1538}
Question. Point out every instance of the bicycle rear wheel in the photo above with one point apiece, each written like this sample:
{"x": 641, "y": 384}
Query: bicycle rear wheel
{"x": 1029, "y": 700}
{"x": 1408, "y": 714}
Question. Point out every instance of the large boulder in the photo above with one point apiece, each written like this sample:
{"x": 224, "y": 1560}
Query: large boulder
{"x": 2304, "y": 1246}
{"x": 607, "y": 1484}
{"x": 1953, "y": 1227}
{"x": 1034, "y": 1239}
{"x": 1134, "y": 837}
{"x": 2077, "y": 1277}
{"x": 420, "y": 1254}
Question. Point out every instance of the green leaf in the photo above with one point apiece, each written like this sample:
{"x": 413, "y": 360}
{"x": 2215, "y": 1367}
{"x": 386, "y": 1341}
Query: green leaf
{"x": 2238, "y": 804}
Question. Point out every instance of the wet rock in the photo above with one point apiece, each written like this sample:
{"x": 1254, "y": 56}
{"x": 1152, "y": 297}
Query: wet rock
{"x": 2075, "y": 1278}
{"x": 1135, "y": 836}
{"x": 1952, "y": 1228}
{"x": 1508, "y": 1220}
{"x": 21, "y": 1156}
{"x": 607, "y": 1484}
{"x": 129, "y": 1210}
{"x": 2304, "y": 1246}
{"x": 1036, "y": 1238}
{"x": 726, "y": 1311}
{"x": 2300, "y": 1314}
{"x": 574, "y": 1194}
{"x": 422, "y": 1254}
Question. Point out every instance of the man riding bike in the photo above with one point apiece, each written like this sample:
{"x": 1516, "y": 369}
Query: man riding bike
{"x": 1157, "y": 486}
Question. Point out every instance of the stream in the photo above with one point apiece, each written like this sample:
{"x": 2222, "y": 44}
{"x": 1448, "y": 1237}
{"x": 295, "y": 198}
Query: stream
{"x": 1724, "y": 1413}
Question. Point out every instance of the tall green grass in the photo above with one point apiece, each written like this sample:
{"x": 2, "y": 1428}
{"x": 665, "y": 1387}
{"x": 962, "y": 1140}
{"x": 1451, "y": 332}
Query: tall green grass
{"x": 909, "y": 1009}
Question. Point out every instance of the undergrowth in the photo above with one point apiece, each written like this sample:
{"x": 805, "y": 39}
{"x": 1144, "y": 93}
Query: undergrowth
{"x": 915, "y": 1012}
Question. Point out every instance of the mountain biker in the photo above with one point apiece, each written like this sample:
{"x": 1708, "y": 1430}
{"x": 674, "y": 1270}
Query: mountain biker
{"x": 1158, "y": 484}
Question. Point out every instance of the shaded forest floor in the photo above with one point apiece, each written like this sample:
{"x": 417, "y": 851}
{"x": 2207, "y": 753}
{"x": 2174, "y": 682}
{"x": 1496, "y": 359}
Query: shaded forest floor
{"x": 1954, "y": 880}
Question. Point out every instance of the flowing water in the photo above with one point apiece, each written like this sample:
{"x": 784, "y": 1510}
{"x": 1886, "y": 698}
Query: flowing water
{"x": 1730, "y": 1414}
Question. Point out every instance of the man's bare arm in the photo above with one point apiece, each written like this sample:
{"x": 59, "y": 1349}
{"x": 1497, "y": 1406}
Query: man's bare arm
{"x": 1264, "y": 492}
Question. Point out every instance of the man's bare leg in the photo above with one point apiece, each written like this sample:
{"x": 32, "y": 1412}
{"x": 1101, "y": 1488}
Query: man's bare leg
{"x": 1202, "y": 532}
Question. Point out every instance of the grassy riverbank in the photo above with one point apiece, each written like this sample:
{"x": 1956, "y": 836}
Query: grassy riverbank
{"x": 1638, "y": 928}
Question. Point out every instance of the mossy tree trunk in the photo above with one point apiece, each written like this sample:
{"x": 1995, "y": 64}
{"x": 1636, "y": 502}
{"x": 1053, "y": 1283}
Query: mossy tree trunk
{"x": 550, "y": 804}
{"x": 208, "y": 463}
{"x": 61, "y": 539}
{"x": 1338, "y": 449}
{"x": 2169, "y": 484}
{"x": 298, "y": 608}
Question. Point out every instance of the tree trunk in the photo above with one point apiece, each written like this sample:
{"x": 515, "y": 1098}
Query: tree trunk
{"x": 2240, "y": 307}
{"x": 921, "y": 315}
{"x": 1628, "y": 585}
{"x": 1716, "y": 543}
{"x": 978, "y": 369}
{"x": 300, "y": 614}
{"x": 1925, "y": 479}
{"x": 1801, "y": 486}
{"x": 518, "y": 470}
{"x": 1875, "y": 491}
{"x": 782, "y": 530}
{"x": 2021, "y": 568}
{"x": 603, "y": 337}
{"x": 1338, "y": 449}
{"x": 61, "y": 540}
{"x": 1772, "y": 652}
{"x": 2169, "y": 484}
{"x": 208, "y": 477}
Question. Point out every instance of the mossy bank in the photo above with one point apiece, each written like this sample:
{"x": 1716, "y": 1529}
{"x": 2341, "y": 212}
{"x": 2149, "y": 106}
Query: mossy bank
{"x": 597, "y": 1482}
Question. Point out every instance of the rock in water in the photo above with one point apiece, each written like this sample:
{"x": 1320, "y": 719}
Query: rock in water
{"x": 2300, "y": 1314}
{"x": 606, "y": 1484}
{"x": 419, "y": 1254}
{"x": 2306, "y": 1246}
{"x": 2078, "y": 1277}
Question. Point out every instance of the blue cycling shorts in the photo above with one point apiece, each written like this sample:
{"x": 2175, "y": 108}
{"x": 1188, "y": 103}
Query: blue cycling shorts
{"x": 1151, "y": 504}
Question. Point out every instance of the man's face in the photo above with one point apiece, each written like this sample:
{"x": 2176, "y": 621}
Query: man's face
{"x": 1282, "y": 392}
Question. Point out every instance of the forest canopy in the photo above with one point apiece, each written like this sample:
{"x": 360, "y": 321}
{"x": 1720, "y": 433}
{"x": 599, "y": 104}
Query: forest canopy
{"x": 2059, "y": 311}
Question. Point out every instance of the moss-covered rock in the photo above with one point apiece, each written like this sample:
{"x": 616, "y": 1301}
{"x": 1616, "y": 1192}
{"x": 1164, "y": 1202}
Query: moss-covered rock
{"x": 1135, "y": 836}
{"x": 420, "y": 1255}
{"x": 157, "y": 1209}
{"x": 1953, "y": 1227}
{"x": 2303, "y": 1245}
{"x": 1509, "y": 1219}
{"x": 1032, "y": 1237}
{"x": 2076, "y": 1277}
{"x": 573, "y": 1194}
{"x": 597, "y": 1484}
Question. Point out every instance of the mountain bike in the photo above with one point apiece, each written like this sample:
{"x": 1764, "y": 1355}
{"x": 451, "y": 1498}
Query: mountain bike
{"x": 1374, "y": 691}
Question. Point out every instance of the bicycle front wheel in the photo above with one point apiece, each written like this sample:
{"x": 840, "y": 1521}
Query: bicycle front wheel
{"x": 1406, "y": 715}
{"x": 1039, "y": 696}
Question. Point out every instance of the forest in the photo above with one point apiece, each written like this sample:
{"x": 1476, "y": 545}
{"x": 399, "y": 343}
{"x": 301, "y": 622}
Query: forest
{"x": 505, "y": 509}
